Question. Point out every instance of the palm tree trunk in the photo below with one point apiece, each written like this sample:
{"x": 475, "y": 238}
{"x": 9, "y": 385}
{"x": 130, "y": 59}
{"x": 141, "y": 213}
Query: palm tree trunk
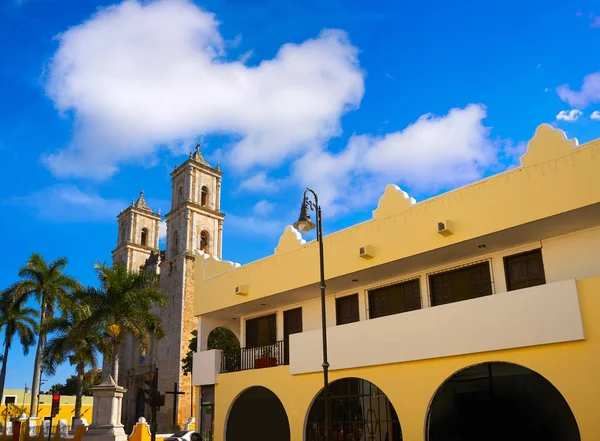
{"x": 115, "y": 362}
{"x": 37, "y": 366}
{"x": 3, "y": 372}
{"x": 79, "y": 392}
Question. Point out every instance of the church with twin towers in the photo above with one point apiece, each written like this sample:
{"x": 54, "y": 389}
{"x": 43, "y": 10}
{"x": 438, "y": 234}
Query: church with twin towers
{"x": 194, "y": 222}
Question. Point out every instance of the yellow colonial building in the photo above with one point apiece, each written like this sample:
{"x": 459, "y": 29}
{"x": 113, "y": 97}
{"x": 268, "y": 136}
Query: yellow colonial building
{"x": 22, "y": 399}
{"x": 474, "y": 315}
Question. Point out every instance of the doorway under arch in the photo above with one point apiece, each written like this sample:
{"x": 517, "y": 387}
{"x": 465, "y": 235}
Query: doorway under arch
{"x": 358, "y": 410}
{"x": 499, "y": 401}
{"x": 257, "y": 415}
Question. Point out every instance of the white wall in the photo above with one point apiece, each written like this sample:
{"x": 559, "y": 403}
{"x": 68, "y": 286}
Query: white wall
{"x": 533, "y": 316}
{"x": 206, "y": 367}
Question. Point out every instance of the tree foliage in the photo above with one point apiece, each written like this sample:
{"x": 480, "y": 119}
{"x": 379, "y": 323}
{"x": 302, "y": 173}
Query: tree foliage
{"x": 16, "y": 320}
{"x": 91, "y": 378}
{"x": 219, "y": 338}
{"x": 123, "y": 305}
{"x": 76, "y": 338}
{"x": 12, "y": 412}
{"x": 50, "y": 286}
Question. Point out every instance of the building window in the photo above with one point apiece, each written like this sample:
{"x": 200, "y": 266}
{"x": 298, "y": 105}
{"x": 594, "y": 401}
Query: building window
{"x": 204, "y": 241}
{"x": 204, "y": 196}
{"x": 175, "y": 242}
{"x": 394, "y": 299}
{"x": 10, "y": 399}
{"x": 524, "y": 270}
{"x": 144, "y": 240}
{"x": 346, "y": 309}
{"x": 121, "y": 234}
{"x": 260, "y": 331}
{"x": 459, "y": 284}
{"x": 180, "y": 194}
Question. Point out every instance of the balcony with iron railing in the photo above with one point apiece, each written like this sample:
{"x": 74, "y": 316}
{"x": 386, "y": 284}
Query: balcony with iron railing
{"x": 253, "y": 358}
{"x": 533, "y": 316}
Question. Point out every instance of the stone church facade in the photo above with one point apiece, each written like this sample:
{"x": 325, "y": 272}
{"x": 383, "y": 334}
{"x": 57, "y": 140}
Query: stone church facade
{"x": 195, "y": 222}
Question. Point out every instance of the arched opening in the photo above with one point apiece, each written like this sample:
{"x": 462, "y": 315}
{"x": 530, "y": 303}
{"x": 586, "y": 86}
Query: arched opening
{"x": 225, "y": 340}
{"x": 204, "y": 241}
{"x": 358, "y": 410}
{"x": 204, "y": 196}
{"x": 175, "y": 246}
{"x": 499, "y": 401}
{"x": 144, "y": 238}
{"x": 257, "y": 415}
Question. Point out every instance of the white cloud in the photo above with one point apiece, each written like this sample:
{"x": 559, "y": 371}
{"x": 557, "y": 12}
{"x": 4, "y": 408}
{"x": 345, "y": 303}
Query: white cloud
{"x": 263, "y": 208}
{"x": 260, "y": 183}
{"x": 68, "y": 203}
{"x": 162, "y": 232}
{"x": 595, "y": 115}
{"x": 254, "y": 228}
{"x": 432, "y": 154}
{"x": 590, "y": 92}
{"x": 569, "y": 115}
{"x": 595, "y": 21}
{"x": 139, "y": 75}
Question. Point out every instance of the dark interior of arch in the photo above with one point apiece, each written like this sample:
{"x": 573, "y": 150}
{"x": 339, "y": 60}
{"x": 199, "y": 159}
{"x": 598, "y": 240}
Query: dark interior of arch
{"x": 500, "y": 401}
{"x": 358, "y": 411}
{"x": 257, "y": 415}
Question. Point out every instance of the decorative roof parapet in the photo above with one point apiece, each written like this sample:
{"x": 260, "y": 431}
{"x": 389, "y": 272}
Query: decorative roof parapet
{"x": 290, "y": 240}
{"x": 547, "y": 144}
{"x": 213, "y": 266}
{"x": 394, "y": 201}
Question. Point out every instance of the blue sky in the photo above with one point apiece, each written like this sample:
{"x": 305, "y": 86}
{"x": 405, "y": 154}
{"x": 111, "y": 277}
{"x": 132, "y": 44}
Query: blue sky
{"x": 99, "y": 100}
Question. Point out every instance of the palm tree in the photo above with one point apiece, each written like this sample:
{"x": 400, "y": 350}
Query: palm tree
{"x": 75, "y": 339}
{"x": 123, "y": 305}
{"x": 17, "y": 320}
{"x": 49, "y": 285}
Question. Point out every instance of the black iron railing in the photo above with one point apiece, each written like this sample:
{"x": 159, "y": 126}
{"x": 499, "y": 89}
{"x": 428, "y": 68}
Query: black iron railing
{"x": 253, "y": 358}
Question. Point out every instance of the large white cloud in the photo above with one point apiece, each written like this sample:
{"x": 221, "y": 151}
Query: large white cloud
{"x": 432, "y": 154}
{"x": 138, "y": 75}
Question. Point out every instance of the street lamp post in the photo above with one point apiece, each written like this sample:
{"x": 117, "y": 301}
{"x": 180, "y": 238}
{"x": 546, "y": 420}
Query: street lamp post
{"x": 304, "y": 225}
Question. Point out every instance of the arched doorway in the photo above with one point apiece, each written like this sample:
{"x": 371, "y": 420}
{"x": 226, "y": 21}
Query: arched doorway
{"x": 257, "y": 415}
{"x": 358, "y": 410}
{"x": 499, "y": 401}
{"x": 140, "y": 405}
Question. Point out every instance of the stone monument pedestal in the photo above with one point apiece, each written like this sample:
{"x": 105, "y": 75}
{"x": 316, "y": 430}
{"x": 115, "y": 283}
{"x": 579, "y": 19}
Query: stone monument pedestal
{"x": 106, "y": 421}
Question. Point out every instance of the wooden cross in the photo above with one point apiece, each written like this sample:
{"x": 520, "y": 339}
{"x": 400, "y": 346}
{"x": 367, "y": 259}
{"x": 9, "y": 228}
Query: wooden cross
{"x": 175, "y": 392}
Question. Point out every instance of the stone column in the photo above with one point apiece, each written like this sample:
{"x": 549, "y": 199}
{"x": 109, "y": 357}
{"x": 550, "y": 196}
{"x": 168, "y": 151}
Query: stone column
{"x": 108, "y": 400}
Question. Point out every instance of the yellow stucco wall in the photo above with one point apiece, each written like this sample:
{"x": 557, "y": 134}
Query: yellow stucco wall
{"x": 556, "y": 179}
{"x": 571, "y": 367}
{"x": 66, "y": 410}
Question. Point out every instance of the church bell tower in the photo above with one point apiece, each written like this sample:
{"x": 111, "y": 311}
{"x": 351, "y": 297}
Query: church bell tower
{"x": 138, "y": 234}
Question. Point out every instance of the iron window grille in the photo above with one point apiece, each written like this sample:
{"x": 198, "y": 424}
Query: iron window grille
{"x": 395, "y": 298}
{"x": 444, "y": 289}
{"x": 358, "y": 410}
